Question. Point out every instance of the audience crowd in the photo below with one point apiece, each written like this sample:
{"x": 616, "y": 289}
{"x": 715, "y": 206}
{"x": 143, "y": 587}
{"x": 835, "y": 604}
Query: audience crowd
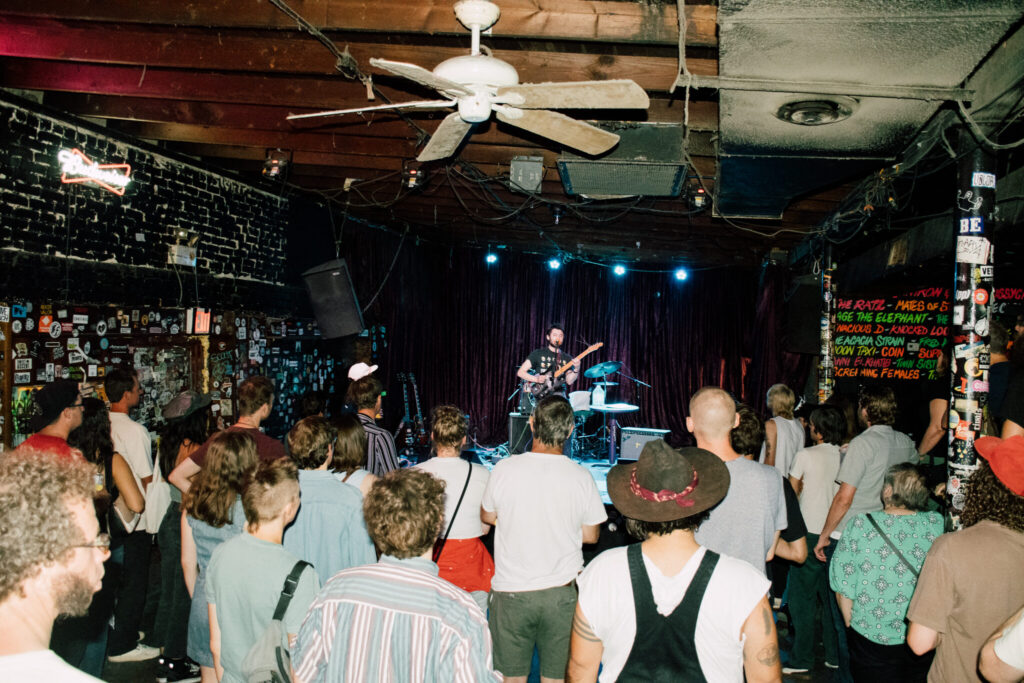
{"x": 326, "y": 557}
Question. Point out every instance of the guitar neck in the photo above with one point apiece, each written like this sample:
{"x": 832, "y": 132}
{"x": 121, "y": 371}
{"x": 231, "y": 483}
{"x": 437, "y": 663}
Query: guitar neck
{"x": 565, "y": 368}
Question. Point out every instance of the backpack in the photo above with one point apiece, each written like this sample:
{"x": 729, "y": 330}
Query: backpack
{"x": 268, "y": 661}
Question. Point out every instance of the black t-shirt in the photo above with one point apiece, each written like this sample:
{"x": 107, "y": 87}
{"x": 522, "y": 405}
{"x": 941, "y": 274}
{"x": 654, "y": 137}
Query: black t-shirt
{"x": 998, "y": 382}
{"x": 1013, "y": 402}
{"x": 545, "y": 360}
{"x": 796, "y": 528}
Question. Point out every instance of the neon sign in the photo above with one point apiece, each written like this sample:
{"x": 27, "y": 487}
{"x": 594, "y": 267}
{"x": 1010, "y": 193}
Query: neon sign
{"x": 77, "y": 168}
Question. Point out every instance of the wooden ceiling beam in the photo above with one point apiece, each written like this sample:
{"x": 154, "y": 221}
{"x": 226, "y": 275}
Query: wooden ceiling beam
{"x": 590, "y": 20}
{"x": 298, "y": 53}
{"x": 703, "y": 115}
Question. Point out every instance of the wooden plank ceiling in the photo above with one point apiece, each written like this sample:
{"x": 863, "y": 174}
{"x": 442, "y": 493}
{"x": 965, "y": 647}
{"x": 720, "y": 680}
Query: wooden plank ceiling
{"x": 215, "y": 79}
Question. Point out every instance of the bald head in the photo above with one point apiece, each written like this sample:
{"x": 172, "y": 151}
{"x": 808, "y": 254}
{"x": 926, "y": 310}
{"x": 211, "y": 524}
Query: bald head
{"x": 712, "y": 414}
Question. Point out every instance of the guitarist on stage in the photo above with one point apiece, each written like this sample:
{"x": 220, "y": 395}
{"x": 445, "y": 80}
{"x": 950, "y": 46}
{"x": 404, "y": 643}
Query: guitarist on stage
{"x": 540, "y": 366}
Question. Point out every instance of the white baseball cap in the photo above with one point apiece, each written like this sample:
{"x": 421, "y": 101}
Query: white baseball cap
{"x": 360, "y": 370}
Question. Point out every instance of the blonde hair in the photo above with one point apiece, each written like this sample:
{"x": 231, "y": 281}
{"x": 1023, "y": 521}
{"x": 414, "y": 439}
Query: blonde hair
{"x": 781, "y": 400}
{"x": 448, "y": 427}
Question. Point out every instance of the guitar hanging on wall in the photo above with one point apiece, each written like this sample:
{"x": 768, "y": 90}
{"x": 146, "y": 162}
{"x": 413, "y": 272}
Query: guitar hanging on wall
{"x": 406, "y": 423}
{"x": 422, "y": 438}
{"x": 552, "y": 381}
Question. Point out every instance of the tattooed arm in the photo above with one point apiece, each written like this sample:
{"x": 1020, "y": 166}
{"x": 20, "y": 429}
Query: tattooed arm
{"x": 585, "y": 650}
{"x": 761, "y": 649}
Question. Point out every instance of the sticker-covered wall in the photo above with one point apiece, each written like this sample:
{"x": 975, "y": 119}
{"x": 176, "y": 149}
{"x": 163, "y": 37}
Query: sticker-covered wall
{"x": 91, "y": 217}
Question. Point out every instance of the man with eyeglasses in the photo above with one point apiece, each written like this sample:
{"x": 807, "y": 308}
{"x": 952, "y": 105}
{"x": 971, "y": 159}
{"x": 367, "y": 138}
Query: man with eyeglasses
{"x": 57, "y": 411}
{"x": 51, "y": 559}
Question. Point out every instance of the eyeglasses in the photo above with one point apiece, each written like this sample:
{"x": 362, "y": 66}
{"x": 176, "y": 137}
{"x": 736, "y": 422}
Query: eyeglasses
{"x": 101, "y": 541}
{"x": 77, "y": 405}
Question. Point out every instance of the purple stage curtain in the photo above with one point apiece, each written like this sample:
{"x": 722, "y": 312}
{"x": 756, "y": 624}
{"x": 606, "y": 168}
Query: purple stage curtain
{"x": 464, "y": 327}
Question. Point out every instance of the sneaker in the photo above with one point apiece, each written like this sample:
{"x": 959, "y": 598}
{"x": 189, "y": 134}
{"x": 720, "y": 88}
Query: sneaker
{"x": 140, "y": 654}
{"x": 793, "y": 670}
{"x": 177, "y": 671}
{"x": 830, "y": 665}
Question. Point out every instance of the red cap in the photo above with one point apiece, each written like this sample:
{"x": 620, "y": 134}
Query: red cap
{"x": 1006, "y": 458}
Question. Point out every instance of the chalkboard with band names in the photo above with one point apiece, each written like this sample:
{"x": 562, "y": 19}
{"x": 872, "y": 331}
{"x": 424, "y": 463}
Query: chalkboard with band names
{"x": 891, "y": 338}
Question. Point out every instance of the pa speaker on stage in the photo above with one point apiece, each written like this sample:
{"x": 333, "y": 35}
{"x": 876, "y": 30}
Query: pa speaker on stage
{"x": 334, "y": 301}
{"x": 803, "y": 319}
{"x": 518, "y": 432}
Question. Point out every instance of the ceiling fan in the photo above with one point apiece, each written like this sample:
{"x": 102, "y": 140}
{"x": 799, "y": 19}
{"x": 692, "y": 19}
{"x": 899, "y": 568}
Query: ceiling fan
{"x": 479, "y": 83}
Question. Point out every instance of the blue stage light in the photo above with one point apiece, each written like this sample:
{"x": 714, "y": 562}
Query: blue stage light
{"x": 491, "y": 258}
{"x": 554, "y": 264}
{"x": 680, "y": 273}
{"x": 619, "y": 270}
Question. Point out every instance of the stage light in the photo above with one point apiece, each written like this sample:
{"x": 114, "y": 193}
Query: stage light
{"x": 491, "y": 258}
{"x": 681, "y": 273}
{"x": 554, "y": 264}
{"x": 619, "y": 270}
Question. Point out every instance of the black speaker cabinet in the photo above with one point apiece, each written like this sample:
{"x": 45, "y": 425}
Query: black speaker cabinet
{"x": 633, "y": 439}
{"x": 334, "y": 301}
{"x": 803, "y": 320}
{"x": 518, "y": 432}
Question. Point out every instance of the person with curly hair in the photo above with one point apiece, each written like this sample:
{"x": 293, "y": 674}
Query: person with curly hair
{"x": 212, "y": 514}
{"x": 396, "y": 620}
{"x": 461, "y": 555}
{"x": 970, "y": 583}
{"x": 328, "y": 531}
{"x": 51, "y": 559}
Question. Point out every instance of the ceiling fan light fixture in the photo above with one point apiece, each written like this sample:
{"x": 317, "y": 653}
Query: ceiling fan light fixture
{"x": 817, "y": 112}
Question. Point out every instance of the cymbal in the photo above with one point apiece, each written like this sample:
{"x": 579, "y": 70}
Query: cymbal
{"x": 602, "y": 369}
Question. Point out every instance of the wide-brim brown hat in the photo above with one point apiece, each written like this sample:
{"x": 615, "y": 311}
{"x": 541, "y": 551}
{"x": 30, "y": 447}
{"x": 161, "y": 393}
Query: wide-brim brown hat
{"x": 665, "y": 483}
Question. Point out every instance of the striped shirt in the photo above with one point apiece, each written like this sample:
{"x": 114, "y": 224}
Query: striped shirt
{"x": 393, "y": 621}
{"x": 381, "y": 455}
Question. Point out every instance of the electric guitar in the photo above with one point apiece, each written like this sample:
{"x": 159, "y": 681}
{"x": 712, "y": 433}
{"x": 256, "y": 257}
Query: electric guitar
{"x": 552, "y": 381}
{"x": 422, "y": 438}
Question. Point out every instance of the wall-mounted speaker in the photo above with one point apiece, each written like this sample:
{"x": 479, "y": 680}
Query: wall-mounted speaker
{"x": 334, "y": 301}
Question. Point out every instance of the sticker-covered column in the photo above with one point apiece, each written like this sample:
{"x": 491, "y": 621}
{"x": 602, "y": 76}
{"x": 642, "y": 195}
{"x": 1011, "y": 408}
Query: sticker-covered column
{"x": 972, "y": 306}
{"x": 826, "y": 361}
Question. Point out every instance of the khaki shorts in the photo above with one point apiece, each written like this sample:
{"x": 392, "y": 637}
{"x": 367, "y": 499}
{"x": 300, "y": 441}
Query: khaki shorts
{"x": 520, "y": 621}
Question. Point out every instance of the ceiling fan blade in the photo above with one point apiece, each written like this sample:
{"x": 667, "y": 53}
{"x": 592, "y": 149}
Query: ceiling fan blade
{"x": 446, "y": 139}
{"x": 563, "y": 130}
{"x": 619, "y": 94}
{"x": 422, "y": 104}
{"x": 420, "y": 75}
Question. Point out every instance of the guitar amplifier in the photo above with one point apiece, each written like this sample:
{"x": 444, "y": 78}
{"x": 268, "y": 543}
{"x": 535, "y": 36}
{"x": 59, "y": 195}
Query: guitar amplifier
{"x": 632, "y": 440}
{"x": 518, "y": 433}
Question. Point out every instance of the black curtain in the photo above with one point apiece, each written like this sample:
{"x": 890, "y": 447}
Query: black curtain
{"x": 464, "y": 327}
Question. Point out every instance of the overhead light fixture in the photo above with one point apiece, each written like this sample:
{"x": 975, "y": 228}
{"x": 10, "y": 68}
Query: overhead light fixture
{"x": 619, "y": 270}
{"x": 681, "y": 274}
{"x": 817, "y": 112}
{"x": 491, "y": 257}
{"x": 554, "y": 264}
{"x": 413, "y": 174}
{"x": 276, "y": 163}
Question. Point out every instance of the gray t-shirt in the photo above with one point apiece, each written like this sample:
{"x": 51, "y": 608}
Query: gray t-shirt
{"x": 244, "y": 581}
{"x": 743, "y": 525}
{"x": 867, "y": 459}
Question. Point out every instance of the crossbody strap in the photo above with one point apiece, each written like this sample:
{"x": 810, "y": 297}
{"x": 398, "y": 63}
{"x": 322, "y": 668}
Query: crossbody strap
{"x": 892, "y": 545}
{"x": 290, "y": 584}
{"x": 444, "y": 539}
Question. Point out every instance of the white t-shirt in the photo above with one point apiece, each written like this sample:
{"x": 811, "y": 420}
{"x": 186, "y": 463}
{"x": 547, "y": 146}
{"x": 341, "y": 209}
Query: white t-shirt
{"x": 132, "y": 441}
{"x": 542, "y": 501}
{"x": 818, "y": 467}
{"x": 452, "y": 471}
{"x": 1010, "y": 646}
{"x": 41, "y": 665}
{"x": 735, "y": 589}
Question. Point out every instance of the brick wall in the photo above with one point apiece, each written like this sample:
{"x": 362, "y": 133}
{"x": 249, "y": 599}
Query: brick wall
{"x": 84, "y": 244}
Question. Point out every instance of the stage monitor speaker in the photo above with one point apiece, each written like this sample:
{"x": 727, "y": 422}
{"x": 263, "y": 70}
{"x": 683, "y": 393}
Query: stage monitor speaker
{"x": 518, "y": 432}
{"x": 334, "y": 301}
{"x": 632, "y": 440}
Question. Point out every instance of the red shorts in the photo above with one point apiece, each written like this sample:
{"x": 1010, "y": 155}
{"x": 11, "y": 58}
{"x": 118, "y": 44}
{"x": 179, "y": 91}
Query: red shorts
{"x": 466, "y": 563}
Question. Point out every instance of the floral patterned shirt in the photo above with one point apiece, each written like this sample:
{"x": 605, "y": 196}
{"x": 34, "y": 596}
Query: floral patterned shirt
{"x": 866, "y": 570}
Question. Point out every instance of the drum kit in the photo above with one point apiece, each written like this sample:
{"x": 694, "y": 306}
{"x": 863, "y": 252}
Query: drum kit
{"x": 604, "y": 399}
